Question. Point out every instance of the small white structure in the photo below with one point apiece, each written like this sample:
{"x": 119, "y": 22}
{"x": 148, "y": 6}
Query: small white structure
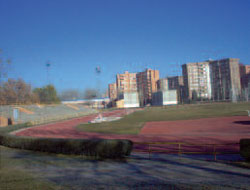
{"x": 100, "y": 119}
{"x": 131, "y": 100}
{"x": 74, "y": 102}
{"x": 165, "y": 97}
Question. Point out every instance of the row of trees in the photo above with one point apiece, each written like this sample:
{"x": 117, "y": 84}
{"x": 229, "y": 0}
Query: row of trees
{"x": 72, "y": 94}
{"x": 47, "y": 94}
{"x": 18, "y": 92}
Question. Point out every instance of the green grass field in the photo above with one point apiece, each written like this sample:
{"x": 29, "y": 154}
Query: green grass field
{"x": 12, "y": 177}
{"x": 133, "y": 123}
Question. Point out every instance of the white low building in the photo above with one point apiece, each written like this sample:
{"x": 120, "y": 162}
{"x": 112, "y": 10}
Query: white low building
{"x": 131, "y": 100}
{"x": 165, "y": 97}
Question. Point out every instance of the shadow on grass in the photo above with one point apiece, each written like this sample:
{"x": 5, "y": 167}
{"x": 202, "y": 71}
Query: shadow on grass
{"x": 135, "y": 172}
{"x": 178, "y": 162}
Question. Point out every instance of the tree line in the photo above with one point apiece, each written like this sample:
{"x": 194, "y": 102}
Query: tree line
{"x": 18, "y": 92}
{"x": 74, "y": 94}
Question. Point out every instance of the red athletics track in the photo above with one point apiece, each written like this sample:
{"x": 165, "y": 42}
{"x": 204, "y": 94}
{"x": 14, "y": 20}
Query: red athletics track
{"x": 221, "y": 130}
{"x": 201, "y": 131}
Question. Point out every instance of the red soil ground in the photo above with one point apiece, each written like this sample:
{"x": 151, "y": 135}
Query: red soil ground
{"x": 201, "y": 131}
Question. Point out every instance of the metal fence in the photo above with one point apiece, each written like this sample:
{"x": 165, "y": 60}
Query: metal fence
{"x": 186, "y": 148}
{"x": 44, "y": 120}
{"x": 45, "y": 114}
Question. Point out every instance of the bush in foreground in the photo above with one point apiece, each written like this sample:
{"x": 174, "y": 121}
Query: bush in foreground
{"x": 245, "y": 149}
{"x": 98, "y": 148}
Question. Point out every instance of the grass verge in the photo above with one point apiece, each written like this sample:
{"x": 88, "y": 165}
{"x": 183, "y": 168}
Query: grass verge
{"x": 10, "y": 128}
{"x": 12, "y": 177}
{"x": 15, "y": 179}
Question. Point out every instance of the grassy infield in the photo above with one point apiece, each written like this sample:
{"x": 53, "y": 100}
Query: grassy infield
{"x": 12, "y": 178}
{"x": 133, "y": 123}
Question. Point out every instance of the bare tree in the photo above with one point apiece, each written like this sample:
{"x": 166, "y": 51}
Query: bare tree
{"x": 16, "y": 92}
{"x": 70, "y": 94}
{"x": 91, "y": 93}
{"x": 4, "y": 66}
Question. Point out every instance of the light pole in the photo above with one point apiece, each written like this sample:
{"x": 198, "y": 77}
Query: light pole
{"x": 48, "y": 64}
{"x": 98, "y": 73}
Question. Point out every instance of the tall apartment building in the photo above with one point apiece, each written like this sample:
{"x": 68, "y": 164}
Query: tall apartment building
{"x": 244, "y": 75}
{"x": 170, "y": 83}
{"x": 162, "y": 84}
{"x": 175, "y": 82}
{"x": 196, "y": 79}
{"x": 244, "y": 69}
{"x": 112, "y": 91}
{"x": 225, "y": 79}
{"x": 147, "y": 84}
{"x": 125, "y": 83}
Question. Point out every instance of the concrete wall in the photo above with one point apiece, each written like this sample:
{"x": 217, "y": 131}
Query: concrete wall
{"x": 170, "y": 97}
{"x": 120, "y": 103}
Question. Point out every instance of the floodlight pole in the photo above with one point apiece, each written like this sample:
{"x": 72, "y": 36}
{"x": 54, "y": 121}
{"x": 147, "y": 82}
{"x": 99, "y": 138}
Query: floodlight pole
{"x": 48, "y": 64}
{"x": 98, "y": 73}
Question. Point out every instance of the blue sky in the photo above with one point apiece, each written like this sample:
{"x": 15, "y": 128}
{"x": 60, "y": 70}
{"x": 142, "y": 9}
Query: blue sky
{"x": 77, "y": 35}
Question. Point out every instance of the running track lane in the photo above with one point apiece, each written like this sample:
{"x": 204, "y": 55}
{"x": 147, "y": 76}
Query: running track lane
{"x": 201, "y": 131}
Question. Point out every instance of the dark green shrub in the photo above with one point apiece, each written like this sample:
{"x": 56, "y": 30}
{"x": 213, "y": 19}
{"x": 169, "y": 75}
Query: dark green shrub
{"x": 245, "y": 149}
{"x": 100, "y": 148}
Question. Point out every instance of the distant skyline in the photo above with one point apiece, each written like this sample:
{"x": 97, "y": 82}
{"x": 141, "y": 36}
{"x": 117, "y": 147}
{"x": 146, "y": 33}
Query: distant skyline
{"x": 76, "y": 36}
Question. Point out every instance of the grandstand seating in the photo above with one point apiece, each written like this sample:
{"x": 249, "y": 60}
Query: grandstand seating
{"x": 44, "y": 114}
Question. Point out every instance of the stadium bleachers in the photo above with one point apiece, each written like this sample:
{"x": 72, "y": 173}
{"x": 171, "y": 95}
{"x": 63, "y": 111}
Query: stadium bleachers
{"x": 37, "y": 114}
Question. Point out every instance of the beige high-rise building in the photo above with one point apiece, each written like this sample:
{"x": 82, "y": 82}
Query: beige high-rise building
{"x": 147, "y": 84}
{"x": 225, "y": 79}
{"x": 162, "y": 84}
{"x": 125, "y": 83}
{"x": 112, "y": 91}
{"x": 196, "y": 78}
{"x": 132, "y": 85}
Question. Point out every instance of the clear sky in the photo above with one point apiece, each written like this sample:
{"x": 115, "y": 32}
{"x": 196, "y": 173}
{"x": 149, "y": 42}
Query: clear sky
{"x": 76, "y": 36}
